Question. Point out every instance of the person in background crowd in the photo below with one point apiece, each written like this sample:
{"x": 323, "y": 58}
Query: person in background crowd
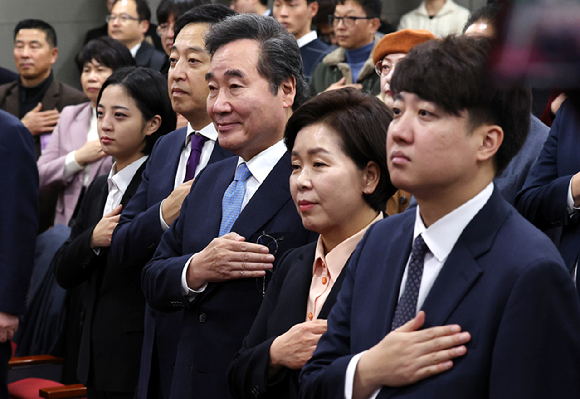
{"x": 391, "y": 49}
{"x": 355, "y": 23}
{"x": 128, "y": 23}
{"x": 440, "y": 17}
{"x": 258, "y": 7}
{"x": 151, "y": 36}
{"x": 296, "y": 16}
{"x": 133, "y": 111}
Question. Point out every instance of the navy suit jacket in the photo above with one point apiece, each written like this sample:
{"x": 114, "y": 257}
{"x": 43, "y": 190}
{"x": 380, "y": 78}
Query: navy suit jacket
{"x": 503, "y": 282}
{"x": 135, "y": 240}
{"x": 149, "y": 57}
{"x": 18, "y": 222}
{"x": 216, "y": 322}
{"x": 283, "y": 307}
{"x": 543, "y": 198}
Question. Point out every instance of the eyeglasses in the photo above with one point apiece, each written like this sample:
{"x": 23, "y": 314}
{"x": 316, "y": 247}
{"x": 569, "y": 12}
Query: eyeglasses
{"x": 163, "y": 28}
{"x": 123, "y": 18}
{"x": 272, "y": 244}
{"x": 383, "y": 68}
{"x": 347, "y": 21}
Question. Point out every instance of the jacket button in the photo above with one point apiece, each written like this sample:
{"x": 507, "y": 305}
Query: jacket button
{"x": 202, "y": 318}
{"x": 403, "y": 200}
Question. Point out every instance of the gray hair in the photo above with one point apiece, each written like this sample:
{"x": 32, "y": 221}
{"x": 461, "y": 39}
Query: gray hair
{"x": 279, "y": 57}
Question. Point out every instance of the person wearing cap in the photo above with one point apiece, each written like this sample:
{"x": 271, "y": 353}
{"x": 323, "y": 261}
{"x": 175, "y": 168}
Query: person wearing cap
{"x": 391, "y": 49}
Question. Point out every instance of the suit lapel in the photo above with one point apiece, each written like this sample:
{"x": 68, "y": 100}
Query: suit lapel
{"x": 461, "y": 269}
{"x": 218, "y": 153}
{"x": 50, "y": 97}
{"x": 11, "y": 104}
{"x": 272, "y": 195}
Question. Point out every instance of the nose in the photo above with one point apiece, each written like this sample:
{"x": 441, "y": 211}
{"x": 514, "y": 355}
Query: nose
{"x": 284, "y": 10}
{"x": 303, "y": 181}
{"x": 104, "y": 123}
{"x": 401, "y": 130}
{"x": 220, "y": 103}
{"x": 390, "y": 74}
{"x": 170, "y": 32}
{"x": 177, "y": 72}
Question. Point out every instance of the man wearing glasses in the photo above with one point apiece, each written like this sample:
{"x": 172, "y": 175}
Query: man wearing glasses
{"x": 355, "y": 23}
{"x": 128, "y": 23}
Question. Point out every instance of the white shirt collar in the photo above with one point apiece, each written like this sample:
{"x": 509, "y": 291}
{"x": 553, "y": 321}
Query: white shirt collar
{"x": 208, "y": 131}
{"x": 262, "y": 164}
{"x": 267, "y": 13}
{"x": 134, "y": 49}
{"x": 122, "y": 179}
{"x": 307, "y": 38}
{"x": 442, "y": 235}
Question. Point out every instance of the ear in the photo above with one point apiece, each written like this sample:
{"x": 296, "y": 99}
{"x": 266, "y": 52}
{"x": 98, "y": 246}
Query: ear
{"x": 288, "y": 88}
{"x": 152, "y": 125}
{"x": 375, "y": 24}
{"x": 371, "y": 177}
{"x": 491, "y": 139}
{"x": 144, "y": 25}
{"x": 53, "y": 54}
{"x": 313, "y": 8}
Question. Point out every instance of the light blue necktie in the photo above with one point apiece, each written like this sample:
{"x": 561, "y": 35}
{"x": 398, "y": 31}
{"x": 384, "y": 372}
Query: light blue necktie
{"x": 407, "y": 306}
{"x": 233, "y": 198}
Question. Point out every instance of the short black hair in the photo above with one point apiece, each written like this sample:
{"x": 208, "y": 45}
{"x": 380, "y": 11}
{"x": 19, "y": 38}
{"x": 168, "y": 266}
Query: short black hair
{"x": 40, "y": 25}
{"x": 487, "y": 13}
{"x": 361, "y": 121}
{"x": 143, "y": 10}
{"x": 176, "y": 8}
{"x": 372, "y": 8}
{"x": 204, "y": 14}
{"x": 106, "y": 51}
{"x": 428, "y": 70}
{"x": 279, "y": 57}
{"x": 148, "y": 88}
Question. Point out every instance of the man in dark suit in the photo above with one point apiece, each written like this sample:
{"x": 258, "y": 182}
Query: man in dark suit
{"x": 128, "y": 23}
{"x": 19, "y": 215}
{"x": 158, "y": 201}
{"x": 36, "y": 98}
{"x": 208, "y": 261}
{"x": 475, "y": 265}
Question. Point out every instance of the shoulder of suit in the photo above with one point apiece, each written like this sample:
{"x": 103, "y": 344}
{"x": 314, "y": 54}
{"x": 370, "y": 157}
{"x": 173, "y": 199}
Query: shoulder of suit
{"x": 7, "y": 88}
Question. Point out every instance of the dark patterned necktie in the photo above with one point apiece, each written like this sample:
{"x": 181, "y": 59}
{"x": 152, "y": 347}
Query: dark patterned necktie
{"x": 197, "y": 142}
{"x": 407, "y": 306}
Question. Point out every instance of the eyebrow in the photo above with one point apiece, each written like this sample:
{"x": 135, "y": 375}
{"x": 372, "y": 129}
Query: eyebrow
{"x": 230, "y": 72}
{"x": 114, "y": 107}
{"x": 398, "y": 97}
{"x": 312, "y": 151}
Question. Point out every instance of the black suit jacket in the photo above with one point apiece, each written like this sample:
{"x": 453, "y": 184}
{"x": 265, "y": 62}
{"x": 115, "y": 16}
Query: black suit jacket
{"x": 284, "y": 306}
{"x": 113, "y": 324}
{"x": 149, "y": 57}
{"x": 215, "y": 324}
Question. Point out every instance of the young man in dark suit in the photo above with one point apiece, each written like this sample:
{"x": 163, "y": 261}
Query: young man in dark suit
{"x": 465, "y": 259}
{"x": 19, "y": 215}
{"x": 165, "y": 184}
{"x": 208, "y": 261}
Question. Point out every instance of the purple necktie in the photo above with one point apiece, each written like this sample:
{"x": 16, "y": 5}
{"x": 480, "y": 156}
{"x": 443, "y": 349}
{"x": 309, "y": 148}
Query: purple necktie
{"x": 197, "y": 142}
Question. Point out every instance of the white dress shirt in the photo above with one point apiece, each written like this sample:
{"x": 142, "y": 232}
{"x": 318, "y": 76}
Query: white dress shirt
{"x": 440, "y": 237}
{"x": 450, "y": 19}
{"x": 71, "y": 166}
{"x": 307, "y": 38}
{"x": 260, "y": 166}
{"x": 119, "y": 181}
{"x": 134, "y": 50}
{"x": 211, "y": 134}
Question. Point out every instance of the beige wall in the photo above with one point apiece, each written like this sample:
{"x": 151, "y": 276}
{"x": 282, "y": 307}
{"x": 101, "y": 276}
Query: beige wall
{"x": 72, "y": 18}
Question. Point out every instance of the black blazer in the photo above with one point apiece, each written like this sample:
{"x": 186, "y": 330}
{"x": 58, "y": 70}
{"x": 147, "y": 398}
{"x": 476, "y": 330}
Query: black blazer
{"x": 283, "y": 307}
{"x": 113, "y": 323}
{"x": 149, "y": 57}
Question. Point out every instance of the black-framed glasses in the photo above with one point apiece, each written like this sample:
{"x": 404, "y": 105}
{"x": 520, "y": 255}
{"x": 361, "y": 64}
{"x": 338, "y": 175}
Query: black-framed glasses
{"x": 272, "y": 244}
{"x": 121, "y": 17}
{"x": 347, "y": 21}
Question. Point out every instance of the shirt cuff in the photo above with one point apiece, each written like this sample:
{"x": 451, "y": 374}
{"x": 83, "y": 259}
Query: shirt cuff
{"x": 185, "y": 290}
{"x": 570, "y": 202}
{"x": 164, "y": 225}
{"x": 71, "y": 166}
{"x": 349, "y": 379}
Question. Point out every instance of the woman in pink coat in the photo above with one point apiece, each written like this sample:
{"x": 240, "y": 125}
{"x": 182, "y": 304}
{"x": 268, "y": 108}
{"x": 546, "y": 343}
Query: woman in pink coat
{"x": 73, "y": 156}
